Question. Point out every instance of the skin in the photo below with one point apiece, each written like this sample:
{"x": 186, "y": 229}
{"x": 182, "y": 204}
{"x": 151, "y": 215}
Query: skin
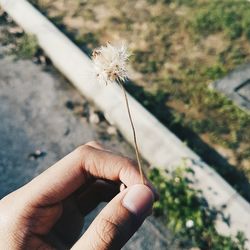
{"x": 53, "y": 205}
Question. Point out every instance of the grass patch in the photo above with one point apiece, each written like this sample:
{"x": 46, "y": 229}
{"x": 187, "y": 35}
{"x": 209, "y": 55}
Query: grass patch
{"x": 230, "y": 17}
{"x": 27, "y": 47}
{"x": 16, "y": 42}
{"x": 187, "y": 213}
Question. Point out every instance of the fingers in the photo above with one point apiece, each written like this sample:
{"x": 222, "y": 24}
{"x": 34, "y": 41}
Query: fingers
{"x": 109, "y": 166}
{"x": 119, "y": 220}
{"x": 96, "y": 145}
{"x": 77, "y": 206}
{"x": 96, "y": 193}
{"x": 83, "y": 165}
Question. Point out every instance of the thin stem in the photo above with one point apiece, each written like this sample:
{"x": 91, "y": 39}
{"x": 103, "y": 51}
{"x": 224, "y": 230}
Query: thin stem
{"x": 134, "y": 134}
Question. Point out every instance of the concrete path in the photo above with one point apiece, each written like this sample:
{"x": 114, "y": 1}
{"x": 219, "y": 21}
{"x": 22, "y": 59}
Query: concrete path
{"x": 42, "y": 119}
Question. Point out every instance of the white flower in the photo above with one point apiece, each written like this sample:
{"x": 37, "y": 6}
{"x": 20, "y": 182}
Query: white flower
{"x": 189, "y": 223}
{"x": 177, "y": 179}
{"x": 110, "y": 63}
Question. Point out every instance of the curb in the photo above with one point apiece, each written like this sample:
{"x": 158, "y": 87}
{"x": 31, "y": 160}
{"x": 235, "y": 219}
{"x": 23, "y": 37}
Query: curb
{"x": 160, "y": 147}
{"x": 232, "y": 85}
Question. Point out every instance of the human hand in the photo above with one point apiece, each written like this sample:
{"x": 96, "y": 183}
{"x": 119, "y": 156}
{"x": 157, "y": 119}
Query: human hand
{"x": 54, "y": 203}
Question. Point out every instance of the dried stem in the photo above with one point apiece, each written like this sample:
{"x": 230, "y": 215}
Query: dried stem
{"x": 134, "y": 134}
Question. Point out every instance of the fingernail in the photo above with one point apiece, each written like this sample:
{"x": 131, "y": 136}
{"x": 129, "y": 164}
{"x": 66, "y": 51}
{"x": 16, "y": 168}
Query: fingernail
{"x": 138, "y": 199}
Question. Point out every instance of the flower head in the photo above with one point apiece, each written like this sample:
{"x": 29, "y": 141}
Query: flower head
{"x": 110, "y": 63}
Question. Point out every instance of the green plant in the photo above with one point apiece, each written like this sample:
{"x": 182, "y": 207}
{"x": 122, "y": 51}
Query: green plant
{"x": 230, "y": 16}
{"x": 187, "y": 213}
{"x": 215, "y": 72}
{"x": 26, "y": 47}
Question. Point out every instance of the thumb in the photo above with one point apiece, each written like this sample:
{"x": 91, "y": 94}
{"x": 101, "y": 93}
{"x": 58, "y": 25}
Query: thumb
{"x": 119, "y": 220}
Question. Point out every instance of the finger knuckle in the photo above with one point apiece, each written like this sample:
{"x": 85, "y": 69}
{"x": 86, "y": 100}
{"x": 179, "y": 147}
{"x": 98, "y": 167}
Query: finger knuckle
{"x": 108, "y": 231}
{"x": 83, "y": 149}
{"x": 93, "y": 143}
{"x": 130, "y": 162}
{"x": 128, "y": 165}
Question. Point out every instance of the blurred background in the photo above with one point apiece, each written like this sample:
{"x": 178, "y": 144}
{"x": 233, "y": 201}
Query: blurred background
{"x": 180, "y": 50}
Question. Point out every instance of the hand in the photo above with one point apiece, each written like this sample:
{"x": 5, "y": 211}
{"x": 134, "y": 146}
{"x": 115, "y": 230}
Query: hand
{"x": 52, "y": 206}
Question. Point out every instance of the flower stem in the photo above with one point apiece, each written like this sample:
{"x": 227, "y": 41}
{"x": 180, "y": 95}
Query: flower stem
{"x": 134, "y": 134}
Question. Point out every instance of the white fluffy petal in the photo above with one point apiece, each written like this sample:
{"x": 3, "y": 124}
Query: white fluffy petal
{"x": 110, "y": 63}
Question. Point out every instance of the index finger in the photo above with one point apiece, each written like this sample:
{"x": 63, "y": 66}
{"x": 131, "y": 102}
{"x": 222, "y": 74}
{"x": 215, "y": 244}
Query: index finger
{"x": 77, "y": 168}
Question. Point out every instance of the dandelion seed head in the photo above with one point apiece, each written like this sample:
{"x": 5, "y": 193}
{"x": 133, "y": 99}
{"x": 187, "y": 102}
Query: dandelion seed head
{"x": 110, "y": 63}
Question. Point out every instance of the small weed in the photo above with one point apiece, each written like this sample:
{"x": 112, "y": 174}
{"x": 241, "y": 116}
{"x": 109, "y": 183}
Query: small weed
{"x": 215, "y": 72}
{"x": 27, "y": 47}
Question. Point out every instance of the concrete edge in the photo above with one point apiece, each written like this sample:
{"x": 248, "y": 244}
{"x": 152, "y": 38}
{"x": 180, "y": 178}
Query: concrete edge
{"x": 157, "y": 144}
{"x": 229, "y": 85}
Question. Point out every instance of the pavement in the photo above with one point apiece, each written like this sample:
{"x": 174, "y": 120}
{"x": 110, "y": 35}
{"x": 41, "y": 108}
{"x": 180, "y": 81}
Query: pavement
{"x": 236, "y": 86}
{"x": 42, "y": 118}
